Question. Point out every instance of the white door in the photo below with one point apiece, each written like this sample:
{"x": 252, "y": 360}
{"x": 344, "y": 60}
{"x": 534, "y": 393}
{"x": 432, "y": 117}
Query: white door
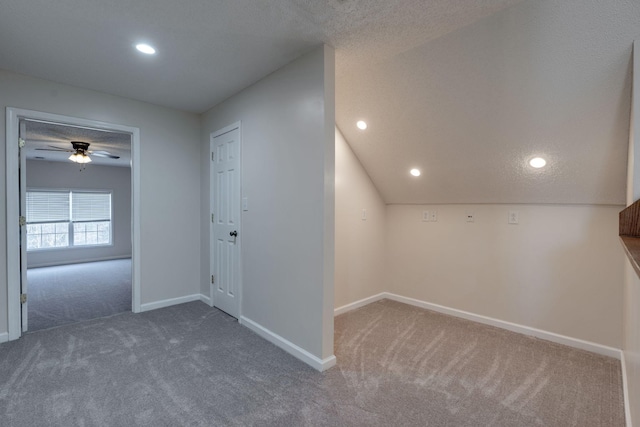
{"x": 225, "y": 218}
{"x": 22, "y": 182}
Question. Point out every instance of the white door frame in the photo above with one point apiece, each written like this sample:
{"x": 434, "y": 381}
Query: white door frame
{"x": 236, "y": 125}
{"x": 24, "y": 288}
{"x": 13, "y": 116}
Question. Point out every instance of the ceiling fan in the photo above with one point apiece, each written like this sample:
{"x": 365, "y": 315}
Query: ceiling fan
{"x": 80, "y": 152}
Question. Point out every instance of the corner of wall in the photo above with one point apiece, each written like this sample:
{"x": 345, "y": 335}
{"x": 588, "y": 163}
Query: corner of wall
{"x": 360, "y": 240}
{"x": 328, "y": 282}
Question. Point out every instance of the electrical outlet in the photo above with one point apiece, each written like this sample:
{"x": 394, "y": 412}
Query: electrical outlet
{"x": 364, "y": 214}
{"x": 470, "y": 217}
{"x": 426, "y": 217}
{"x": 513, "y": 217}
{"x": 434, "y": 216}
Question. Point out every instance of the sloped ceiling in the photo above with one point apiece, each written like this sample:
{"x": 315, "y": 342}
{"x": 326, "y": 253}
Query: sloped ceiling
{"x": 548, "y": 78}
{"x": 465, "y": 90}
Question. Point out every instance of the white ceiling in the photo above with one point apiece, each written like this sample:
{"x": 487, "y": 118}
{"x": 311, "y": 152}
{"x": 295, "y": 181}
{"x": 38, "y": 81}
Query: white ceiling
{"x": 467, "y": 90}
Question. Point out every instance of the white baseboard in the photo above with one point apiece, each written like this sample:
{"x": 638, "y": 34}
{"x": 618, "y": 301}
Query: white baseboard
{"x": 625, "y": 390}
{"x": 169, "y": 302}
{"x": 77, "y": 261}
{"x": 359, "y": 303}
{"x": 289, "y": 347}
{"x": 514, "y": 327}
{"x": 205, "y": 299}
{"x": 4, "y": 337}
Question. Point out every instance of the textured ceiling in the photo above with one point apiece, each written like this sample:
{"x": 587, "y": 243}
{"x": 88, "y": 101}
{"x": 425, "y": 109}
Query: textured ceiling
{"x": 209, "y": 50}
{"x": 472, "y": 107}
{"x": 467, "y": 90}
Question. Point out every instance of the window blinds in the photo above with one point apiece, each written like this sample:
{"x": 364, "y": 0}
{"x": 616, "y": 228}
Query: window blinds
{"x": 90, "y": 206}
{"x": 65, "y": 206}
{"x": 47, "y": 206}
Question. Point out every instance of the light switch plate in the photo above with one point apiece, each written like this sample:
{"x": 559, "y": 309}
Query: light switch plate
{"x": 426, "y": 216}
{"x": 514, "y": 217}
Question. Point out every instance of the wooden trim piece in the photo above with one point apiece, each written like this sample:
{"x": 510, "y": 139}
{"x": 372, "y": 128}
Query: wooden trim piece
{"x": 631, "y": 247}
{"x": 630, "y": 220}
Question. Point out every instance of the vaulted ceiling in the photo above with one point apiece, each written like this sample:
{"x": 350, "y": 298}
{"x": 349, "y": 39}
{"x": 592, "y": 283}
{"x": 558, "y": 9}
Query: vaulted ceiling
{"x": 465, "y": 90}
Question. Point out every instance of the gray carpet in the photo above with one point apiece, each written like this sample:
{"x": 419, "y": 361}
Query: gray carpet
{"x": 191, "y": 365}
{"x": 72, "y": 293}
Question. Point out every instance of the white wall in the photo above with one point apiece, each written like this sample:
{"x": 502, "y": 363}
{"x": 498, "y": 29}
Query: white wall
{"x": 58, "y": 175}
{"x": 359, "y": 244}
{"x": 169, "y": 173}
{"x": 559, "y": 270}
{"x": 288, "y": 176}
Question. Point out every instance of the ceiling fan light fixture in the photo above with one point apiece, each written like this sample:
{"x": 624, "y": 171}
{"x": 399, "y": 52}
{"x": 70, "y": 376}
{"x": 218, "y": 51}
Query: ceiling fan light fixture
{"x": 80, "y": 157}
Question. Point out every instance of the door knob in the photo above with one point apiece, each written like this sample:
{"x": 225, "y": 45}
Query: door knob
{"x": 234, "y": 233}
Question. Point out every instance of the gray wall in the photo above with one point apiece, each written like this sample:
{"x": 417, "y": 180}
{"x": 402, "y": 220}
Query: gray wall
{"x": 169, "y": 179}
{"x": 58, "y": 175}
{"x": 288, "y": 141}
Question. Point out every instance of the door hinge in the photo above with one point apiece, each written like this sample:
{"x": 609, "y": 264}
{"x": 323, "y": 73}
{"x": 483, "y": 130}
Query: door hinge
{"x": 22, "y": 221}
{"x": 212, "y": 217}
{"x": 21, "y": 142}
{"x": 213, "y": 156}
{"x": 213, "y": 279}
{"x": 23, "y": 298}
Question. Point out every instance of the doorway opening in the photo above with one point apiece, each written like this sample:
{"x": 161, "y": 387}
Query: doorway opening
{"x": 72, "y": 227}
{"x": 78, "y": 223}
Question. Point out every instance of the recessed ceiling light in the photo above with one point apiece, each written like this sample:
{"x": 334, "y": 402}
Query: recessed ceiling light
{"x": 415, "y": 172}
{"x": 145, "y": 48}
{"x": 361, "y": 124}
{"x": 537, "y": 162}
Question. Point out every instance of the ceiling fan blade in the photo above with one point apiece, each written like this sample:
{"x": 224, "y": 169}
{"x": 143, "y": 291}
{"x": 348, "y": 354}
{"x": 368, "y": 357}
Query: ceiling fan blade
{"x": 103, "y": 154}
{"x": 54, "y": 149}
{"x": 59, "y": 148}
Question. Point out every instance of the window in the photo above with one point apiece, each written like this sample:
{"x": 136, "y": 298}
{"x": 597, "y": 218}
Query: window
{"x": 63, "y": 219}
